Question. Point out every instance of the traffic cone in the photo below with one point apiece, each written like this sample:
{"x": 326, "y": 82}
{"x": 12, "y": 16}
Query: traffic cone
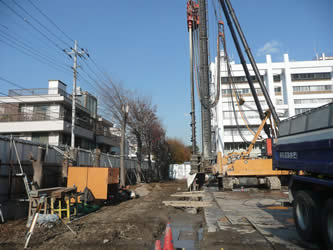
{"x": 158, "y": 245}
{"x": 168, "y": 243}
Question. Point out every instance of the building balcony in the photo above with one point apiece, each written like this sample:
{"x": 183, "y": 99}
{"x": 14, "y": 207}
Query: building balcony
{"x": 31, "y": 126}
{"x": 105, "y": 137}
{"x": 24, "y": 117}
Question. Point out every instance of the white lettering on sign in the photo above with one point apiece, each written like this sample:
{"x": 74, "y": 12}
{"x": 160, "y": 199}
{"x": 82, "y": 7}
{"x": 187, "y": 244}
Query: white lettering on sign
{"x": 289, "y": 155}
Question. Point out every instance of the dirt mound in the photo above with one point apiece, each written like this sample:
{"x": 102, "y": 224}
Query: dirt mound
{"x": 142, "y": 190}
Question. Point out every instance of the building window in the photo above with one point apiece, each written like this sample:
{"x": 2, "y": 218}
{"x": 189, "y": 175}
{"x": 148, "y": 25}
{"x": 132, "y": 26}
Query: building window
{"x": 277, "y": 78}
{"x": 239, "y": 91}
{"x": 240, "y": 79}
{"x": 308, "y": 101}
{"x": 42, "y": 138}
{"x": 311, "y": 76}
{"x": 229, "y": 115}
{"x": 277, "y": 89}
{"x": 259, "y": 91}
{"x": 301, "y": 110}
{"x": 312, "y": 88}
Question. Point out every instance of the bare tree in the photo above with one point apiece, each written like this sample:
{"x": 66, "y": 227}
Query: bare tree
{"x": 141, "y": 109}
{"x": 114, "y": 97}
{"x": 160, "y": 149}
{"x": 115, "y": 103}
{"x": 142, "y": 121}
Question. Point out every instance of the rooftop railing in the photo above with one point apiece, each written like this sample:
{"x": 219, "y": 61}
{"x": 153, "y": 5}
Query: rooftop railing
{"x": 37, "y": 91}
{"x": 31, "y": 117}
{"x": 42, "y": 92}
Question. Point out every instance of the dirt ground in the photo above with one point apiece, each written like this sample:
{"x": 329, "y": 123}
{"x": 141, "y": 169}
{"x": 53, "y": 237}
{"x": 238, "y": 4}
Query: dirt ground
{"x": 132, "y": 224}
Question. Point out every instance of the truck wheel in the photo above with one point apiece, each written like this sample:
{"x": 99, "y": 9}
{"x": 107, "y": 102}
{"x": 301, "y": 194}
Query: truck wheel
{"x": 327, "y": 224}
{"x": 273, "y": 183}
{"x": 306, "y": 211}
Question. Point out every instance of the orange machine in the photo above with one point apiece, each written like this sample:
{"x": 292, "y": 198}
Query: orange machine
{"x": 240, "y": 168}
{"x": 97, "y": 179}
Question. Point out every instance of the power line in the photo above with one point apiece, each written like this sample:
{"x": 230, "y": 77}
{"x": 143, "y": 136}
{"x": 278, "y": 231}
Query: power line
{"x": 87, "y": 80}
{"x": 32, "y": 50}
{"x": 67, "y": 43}
{"x": 100, "y": 70}
{"x": 91, "y": 70}
{"x": 31, "y": 55}
{"x": 20, "y": 87}
{"x": 33, "y": 26}
{"x": 41, "y": 24}
{"x": 23, "y": 113}
{"x": 103, "y": 74}
{"x": 46, "y": 47}
{"x": 50, "y": 20}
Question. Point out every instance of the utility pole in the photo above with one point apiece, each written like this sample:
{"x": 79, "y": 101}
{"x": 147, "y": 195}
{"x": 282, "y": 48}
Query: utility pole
{"x": 124, "y": 110}
{"x": 204, "y": 85}
{"x": 73, "y": 54}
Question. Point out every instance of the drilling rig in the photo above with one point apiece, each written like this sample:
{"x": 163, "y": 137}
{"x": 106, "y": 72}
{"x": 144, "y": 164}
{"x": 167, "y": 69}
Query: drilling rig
{"x": 236, "y": 168}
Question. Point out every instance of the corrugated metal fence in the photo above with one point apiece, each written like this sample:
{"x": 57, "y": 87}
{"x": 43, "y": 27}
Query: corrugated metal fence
{"x": 53, "y": 162}
{"x": 26, "y": 149}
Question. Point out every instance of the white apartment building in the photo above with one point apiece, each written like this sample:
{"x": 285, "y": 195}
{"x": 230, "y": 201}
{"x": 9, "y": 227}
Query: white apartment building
{"x": 294, "y": 87}
{"x": 44, "y": 116}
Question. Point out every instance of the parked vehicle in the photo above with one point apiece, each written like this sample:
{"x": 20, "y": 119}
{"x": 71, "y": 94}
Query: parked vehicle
{"x": 305, "y": 145}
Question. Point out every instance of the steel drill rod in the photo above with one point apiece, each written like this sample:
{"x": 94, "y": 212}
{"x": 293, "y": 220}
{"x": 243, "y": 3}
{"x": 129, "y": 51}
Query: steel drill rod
{"x": 194, "y": 143}
{"x": 253, "y": 63}
{"x": 204, "y": 80}
{"x": 243, "y": 62}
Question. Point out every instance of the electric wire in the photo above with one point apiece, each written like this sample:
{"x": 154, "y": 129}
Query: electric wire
{"x": 69, "y": 38}
{"x": 22, "y": 88}
{"x": 102, "y": 72}
{"x": 19, "y": 41}
{"x": 26, "y": 113}
{"x": 41, "y": 24}
{"x": 50, "y": 20}
{"x": 33, "y": 56}
{"x": 33, "y": 26}
{"x": 16, "y": 44}
{"x": 42, "y": 45}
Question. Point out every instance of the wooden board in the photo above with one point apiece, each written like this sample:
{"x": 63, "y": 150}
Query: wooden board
{"x": 44, "y": 191}
{"x": 187, "y": 195}
{"x": 192, "y": 192}
{"x": 64, "y": 190}
{"x": 187, "y": 203}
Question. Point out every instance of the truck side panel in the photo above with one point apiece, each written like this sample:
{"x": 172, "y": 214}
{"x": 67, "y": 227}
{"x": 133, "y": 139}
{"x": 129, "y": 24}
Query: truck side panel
{"x": 310, "y": 156}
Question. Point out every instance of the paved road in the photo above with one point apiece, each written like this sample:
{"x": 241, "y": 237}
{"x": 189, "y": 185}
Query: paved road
{"x": 250, "y": 219}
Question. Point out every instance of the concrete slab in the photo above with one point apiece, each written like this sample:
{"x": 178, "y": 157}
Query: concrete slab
{"x": 255, "y": 218}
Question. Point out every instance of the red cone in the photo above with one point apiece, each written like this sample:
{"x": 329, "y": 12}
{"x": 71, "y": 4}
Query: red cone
{"x": 168, "y": 243}
{"x": 158, "y": 245}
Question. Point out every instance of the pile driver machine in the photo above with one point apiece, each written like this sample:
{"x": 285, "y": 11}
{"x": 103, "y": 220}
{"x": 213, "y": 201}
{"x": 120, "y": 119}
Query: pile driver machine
{"x": 238, "y": 168}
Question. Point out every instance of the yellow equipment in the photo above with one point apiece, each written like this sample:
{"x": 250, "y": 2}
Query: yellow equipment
{"x": 240, "y": 169}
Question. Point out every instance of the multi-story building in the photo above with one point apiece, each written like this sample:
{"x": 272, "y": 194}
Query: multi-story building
{"x": 45, "y": 115}
{"x": 294, "y": 87}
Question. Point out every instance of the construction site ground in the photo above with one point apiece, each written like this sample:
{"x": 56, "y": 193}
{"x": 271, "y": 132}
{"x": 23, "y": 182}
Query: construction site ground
{"x": 240, "y": 219}
{"x": 131, "y": 224}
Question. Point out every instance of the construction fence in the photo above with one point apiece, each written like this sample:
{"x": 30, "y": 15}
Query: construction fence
{"x": 26, "y": 152}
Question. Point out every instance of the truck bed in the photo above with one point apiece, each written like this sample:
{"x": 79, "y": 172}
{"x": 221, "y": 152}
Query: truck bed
{"x": 305, "y": 142}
